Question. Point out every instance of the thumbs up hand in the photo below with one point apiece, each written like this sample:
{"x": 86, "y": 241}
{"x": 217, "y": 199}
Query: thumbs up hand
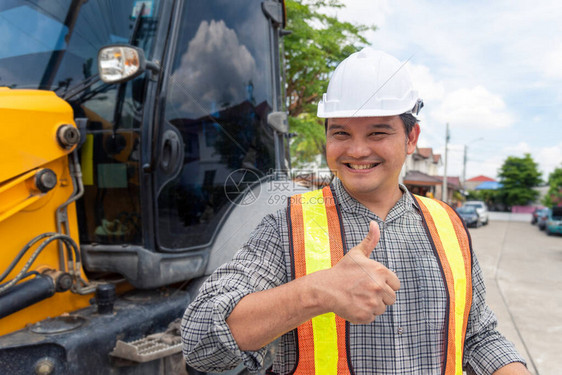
{"x": 358, "y": 288}
{"x": 370, "y": 241}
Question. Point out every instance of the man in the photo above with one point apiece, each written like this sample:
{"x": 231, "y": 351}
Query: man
{"x": 360, "y": 277}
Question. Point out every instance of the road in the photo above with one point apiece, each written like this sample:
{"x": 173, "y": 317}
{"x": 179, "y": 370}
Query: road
{"x": 523, "y": 273}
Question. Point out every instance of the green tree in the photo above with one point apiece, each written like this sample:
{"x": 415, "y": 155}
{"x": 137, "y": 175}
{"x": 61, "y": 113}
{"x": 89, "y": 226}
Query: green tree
{"x": 519, "y": 176}
{"x": 554, "y": 195}
{"x": 318, "y": 42}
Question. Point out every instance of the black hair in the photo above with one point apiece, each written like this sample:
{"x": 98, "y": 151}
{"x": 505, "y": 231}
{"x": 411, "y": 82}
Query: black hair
{"x": 409, "y": 121}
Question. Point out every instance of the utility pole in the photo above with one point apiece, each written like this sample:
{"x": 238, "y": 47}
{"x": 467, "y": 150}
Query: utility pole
{"x": 464, "y": 166}
{"x": 444, "y": 186}
{"x": 466, "y": 158}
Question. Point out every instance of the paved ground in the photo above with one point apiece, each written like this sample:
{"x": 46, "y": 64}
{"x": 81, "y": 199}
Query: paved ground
{"x": 523, "y": 272}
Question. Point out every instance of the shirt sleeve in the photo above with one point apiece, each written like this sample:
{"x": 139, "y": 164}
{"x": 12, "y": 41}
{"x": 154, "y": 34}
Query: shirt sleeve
{"x": 486, "y": 350}
{"x": 208, "y": 344}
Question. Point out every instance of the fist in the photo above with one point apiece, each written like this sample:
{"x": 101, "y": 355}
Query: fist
{"x": 359, "y": 288}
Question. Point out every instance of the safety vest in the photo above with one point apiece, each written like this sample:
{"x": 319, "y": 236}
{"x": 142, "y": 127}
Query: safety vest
{"x": 317, "y": 242}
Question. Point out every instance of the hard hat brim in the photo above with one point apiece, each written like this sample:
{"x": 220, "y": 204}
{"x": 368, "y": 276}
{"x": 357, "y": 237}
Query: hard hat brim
{"x": 323, "y": 112}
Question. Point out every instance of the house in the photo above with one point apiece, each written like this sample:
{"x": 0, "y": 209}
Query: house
{"x": 419, "y": 171}
{"x": 453, "y": 185}
{"x": 423, "y": 160}
{"x": 473, "y": 182}
{"x": 421, "y": 176}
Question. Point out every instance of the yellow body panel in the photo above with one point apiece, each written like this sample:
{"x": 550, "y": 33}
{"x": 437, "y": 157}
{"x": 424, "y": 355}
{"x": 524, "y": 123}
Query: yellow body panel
{"x": 30, "y": 119}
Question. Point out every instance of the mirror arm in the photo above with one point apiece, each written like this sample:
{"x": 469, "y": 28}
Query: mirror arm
{"x": 152, "y": 66}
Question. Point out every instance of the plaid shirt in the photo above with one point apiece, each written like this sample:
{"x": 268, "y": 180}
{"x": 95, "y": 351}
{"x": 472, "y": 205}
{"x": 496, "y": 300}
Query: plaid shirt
{"x": 406, "y": 339}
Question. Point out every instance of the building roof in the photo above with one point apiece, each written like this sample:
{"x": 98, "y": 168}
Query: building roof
{"x": 425, "y": 151}
{"x": 420, "y": 179}
{"x": 452, "y": 181}
{"x": 481, "y": 178}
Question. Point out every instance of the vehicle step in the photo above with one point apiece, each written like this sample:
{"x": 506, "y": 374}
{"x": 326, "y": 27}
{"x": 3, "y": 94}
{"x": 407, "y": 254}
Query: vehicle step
{"x": 146, "y": 349}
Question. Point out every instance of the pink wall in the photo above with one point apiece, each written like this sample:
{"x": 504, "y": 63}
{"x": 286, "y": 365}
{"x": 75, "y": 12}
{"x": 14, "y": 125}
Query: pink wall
{"x": 523, "y": 209}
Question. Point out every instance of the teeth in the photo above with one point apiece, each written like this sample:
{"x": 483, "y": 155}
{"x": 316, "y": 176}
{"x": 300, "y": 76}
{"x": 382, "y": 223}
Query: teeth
{"x": 361, "y": 166}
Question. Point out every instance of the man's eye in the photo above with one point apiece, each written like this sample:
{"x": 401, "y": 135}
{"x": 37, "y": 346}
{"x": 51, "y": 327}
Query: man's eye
{"x": 340, "y": 133}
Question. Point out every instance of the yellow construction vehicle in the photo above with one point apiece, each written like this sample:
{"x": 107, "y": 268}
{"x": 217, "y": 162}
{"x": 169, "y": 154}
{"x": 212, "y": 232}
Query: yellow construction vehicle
{"x": 136, "y": 139}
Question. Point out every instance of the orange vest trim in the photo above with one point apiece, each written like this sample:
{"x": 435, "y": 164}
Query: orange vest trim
{"x": 452, "y": 247}
{"x": 306, "y": 213}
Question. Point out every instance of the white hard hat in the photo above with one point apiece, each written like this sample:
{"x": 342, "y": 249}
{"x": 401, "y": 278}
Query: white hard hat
{"x": 369, "y": 83}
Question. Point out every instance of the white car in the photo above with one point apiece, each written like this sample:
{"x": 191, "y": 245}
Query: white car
{"x": 481, "y": 209}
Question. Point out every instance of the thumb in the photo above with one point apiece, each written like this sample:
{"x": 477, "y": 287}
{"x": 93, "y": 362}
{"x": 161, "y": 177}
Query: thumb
{"x": 371, "y": 239}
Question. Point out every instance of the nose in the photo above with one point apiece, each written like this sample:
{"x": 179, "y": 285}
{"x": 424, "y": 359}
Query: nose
{"x": 358, "y": 149}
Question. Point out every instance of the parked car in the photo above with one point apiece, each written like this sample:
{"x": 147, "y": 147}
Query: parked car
{"x": 535, "y": 215}
{"x": 481, "y": 209}
{"x": 554, "y": 221}
{"x": 470, "y": 216}
{"x": 542, "y": 217}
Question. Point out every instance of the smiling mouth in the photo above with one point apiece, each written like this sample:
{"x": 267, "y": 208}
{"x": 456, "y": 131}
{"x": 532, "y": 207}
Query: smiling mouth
{"x": 359, "y": 167}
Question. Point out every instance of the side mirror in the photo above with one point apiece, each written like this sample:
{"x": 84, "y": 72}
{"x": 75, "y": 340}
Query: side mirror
{"x": 120, "y": 63}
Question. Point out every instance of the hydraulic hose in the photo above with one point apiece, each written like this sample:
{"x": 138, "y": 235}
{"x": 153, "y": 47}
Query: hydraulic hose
{"x": 22, "y": 253}
{"x": 53, "y": 236}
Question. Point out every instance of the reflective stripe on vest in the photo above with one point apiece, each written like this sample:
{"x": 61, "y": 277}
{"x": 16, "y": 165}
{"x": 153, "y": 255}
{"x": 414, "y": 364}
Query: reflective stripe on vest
{"x": 452, "y": 246}
{"x": 318, "y": 242}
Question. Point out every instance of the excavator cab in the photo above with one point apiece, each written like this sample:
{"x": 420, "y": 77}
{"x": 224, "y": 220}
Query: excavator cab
{"x": 179, "y": 111}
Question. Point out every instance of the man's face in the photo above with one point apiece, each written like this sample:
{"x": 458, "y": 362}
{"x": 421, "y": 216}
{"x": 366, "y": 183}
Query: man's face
{"x": 367, "y": 153}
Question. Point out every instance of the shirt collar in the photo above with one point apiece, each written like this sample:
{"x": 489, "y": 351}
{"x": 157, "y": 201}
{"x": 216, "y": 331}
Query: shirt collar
{"x": 349, "y": 204}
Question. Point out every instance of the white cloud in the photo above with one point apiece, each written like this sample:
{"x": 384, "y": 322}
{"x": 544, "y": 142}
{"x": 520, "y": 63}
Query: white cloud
{"x": 475, "y": 108}
{"x": 529, "y": 37}
{"x": 428, "y": 88}
{"x": 549, "y": 158}
{"x": 518, "y": 150}
{"x": 365, "y": 12}
{"x": 552, "y": 63}
{"x": 488, "y": 167}
{"x": 200, "y": 83}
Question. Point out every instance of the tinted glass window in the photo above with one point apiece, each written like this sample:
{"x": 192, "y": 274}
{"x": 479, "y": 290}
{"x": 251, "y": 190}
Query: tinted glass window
{"x": 110, "y": 210}
{"x": 53, "y": 45}
{"x": 219, "y": 95}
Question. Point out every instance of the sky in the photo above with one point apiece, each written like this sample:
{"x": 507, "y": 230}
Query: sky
{"x": 492, "y": 70}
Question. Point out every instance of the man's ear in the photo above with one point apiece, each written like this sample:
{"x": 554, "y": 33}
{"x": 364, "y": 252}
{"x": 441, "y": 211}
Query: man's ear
{"x": 412, "y": 140}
